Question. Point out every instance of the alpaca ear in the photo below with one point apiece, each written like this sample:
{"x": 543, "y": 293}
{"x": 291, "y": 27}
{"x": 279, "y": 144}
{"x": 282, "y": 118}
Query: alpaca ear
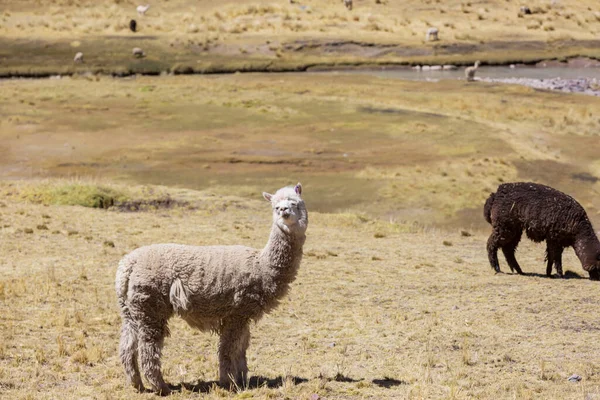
{"x": 298, "y": 189}
{"x": 267, "y": 196}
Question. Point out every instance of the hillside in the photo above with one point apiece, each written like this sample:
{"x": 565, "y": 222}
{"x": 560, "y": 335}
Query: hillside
{"x": 224, "y": 36}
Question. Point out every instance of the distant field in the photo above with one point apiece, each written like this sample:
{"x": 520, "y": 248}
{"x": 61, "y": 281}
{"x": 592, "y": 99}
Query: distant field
{"x": 420, "y": 152}
{"x": 206, "y": 36}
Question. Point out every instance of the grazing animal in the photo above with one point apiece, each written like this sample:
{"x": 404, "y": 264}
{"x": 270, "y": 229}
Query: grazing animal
{"x": 348, "y": 4}
{"x": 432, "y": 34}
{"x": 470, "y": 71}
{"x": 133, "y": 25}
{"x": 141, "y": 10}
{"x": 545, "y": 214}
{"x": 213, "y": 288}
{"x": 138, "y": 53}
{"x": 78, "y": 57}
{"x": 525, "y": 10}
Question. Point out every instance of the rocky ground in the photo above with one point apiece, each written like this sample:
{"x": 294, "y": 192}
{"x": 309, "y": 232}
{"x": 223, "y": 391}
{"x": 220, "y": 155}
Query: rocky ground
{"x": 589, "y": 86}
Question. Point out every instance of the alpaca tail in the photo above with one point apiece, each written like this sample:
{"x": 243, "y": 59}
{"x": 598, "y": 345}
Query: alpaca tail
{"x": 487, "y": 209}
{"x": 122, "y": 279}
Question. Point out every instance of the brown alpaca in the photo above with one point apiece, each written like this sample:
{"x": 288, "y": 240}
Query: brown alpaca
{"x": 545, "y": 214}
{"x": 213, "y": 288}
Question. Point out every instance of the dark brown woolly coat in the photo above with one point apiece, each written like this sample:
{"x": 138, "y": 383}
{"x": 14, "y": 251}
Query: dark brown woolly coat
{"x": 545, "y": 214}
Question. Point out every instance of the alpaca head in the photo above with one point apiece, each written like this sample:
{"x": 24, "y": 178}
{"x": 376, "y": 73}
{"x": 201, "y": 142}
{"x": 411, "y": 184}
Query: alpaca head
{"x": 592, "y": 260}
{"x": 591, "y": 263}
{"x": 289, "y": 211}
{"x": 477, "y": 63}
{"x": 587, "y": 249}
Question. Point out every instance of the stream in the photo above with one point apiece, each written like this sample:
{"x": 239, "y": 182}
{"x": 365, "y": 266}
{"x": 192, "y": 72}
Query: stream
{"x": 566, "y": 79}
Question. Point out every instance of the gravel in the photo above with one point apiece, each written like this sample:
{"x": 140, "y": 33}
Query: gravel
{"x": 589, "y": 86}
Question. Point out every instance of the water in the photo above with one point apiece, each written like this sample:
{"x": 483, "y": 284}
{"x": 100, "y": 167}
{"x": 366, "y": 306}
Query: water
{"x": 482, "y": 72}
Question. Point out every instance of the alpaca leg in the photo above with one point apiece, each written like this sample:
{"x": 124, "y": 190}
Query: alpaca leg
{"x": 151, "y": 339}
{"x": 492, "y": 249}
{"x": 509, "y": 253}
{"x": 558, "y": 261}
{"x": 549, "y": 257}
{"x": 128, "y": 352}
{"x": 234, "y": 341}
{"x": 550, "y": 260}
{"x": 554, "y": 256}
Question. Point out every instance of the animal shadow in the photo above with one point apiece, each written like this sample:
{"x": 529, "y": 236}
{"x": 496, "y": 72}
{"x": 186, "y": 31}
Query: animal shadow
{"x": 254, "y": 382}
{"x": 566, "y": 275}
{"x": 389, "y": 382}
{"x": 343, "y": 378}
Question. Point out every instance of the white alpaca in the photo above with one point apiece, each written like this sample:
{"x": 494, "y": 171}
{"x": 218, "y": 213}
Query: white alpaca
{"x": 138, "y": 53}
{"x": 141, "y": 10}
{"x": 432, "y": 34}
{"x": 78, "y": 57}
{"x": 470, "y": 71}
{"x": 213, "y": 288}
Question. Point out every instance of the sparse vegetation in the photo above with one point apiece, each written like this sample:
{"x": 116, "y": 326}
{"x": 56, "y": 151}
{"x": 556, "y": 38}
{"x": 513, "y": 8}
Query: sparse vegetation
{"x": 199, "y": 37}
{"x": 378, "y": 335}
{"x": 394, "y": 298}
{"x": 86, "y": 195}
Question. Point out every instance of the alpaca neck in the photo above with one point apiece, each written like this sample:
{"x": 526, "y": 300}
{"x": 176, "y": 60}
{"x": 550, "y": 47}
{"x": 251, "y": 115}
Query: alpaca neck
{"x": 283, "y": 250}
{"x": 279, "y": 262}
{"x": 587, "y": 246}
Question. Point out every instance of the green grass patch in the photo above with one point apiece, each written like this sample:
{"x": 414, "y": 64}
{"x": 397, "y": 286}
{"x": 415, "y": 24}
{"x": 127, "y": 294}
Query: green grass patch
{"x": 85, "y": 195}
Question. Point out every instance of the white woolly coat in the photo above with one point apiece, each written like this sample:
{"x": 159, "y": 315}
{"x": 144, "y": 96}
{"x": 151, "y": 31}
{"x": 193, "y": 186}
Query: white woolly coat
{"x": 207, "y": 284}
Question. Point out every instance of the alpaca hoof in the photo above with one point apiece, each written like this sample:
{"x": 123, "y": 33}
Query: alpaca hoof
{"x": 164, "y": 391}
{"x": 139, "y": 386}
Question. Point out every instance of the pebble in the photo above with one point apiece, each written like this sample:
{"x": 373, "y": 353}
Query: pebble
{"x": 574, "y": 378}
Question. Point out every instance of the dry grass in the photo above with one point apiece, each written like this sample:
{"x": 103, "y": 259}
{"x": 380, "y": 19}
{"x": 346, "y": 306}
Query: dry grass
{"x": 229, "y": 35}
{"x": 379, "y": 313}
{"x": 497, "y": 21}
{"x": 385, "y": 305}
{"x": 409, "y": 151}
